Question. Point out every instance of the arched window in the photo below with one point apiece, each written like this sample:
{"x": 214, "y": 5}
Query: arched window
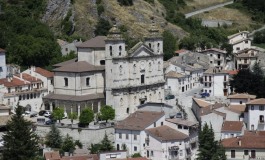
{"x": 120, "y": 69}
{"x": 158, "y": 47}
{"x": 261, "y": 119}
{"x": 118, "y": 147}
{"x": 134, "y": 68}
{"x": 142, "y": 79}
{"x": 121, "y": 102}
{"x": 110, "y": 50}
{"x": 120, "y": 48}
{"x": 159, "y": 65}
{"x": 127, "y": 110}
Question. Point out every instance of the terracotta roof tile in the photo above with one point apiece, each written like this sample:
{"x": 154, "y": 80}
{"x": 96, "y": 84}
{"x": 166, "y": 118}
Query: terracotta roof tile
{"x": 237, "y": 107}
{"x": 182, "y": 122}
{"x": 13, "y": 82}
{"x": 74, "y": 98}
{"x": 215, "y": 71}
{"x": 201, "y": 103}
{"x": 232, "y": 72}
{"x": 173, "y": 74}
{"x": 181, "y": 51}
{"x": 44, "y": 72}
{"x": 139, "y": 120}
{"x": 80, "y": 66}
{"x": 27, "y": 77}
{"x": 65, "y": 62}
{"x": 232, "y": 126}
{"x": 241, "y": 96}
{"x": 97, "y": 42}
{"x": 215, "y": 49}
{"x": 257, "y": 101}
{"x": 250, "y": 140}
{"x": 165, "y": 133}
{"x": 52, "y": 155}
{"x": 81, "y": 157}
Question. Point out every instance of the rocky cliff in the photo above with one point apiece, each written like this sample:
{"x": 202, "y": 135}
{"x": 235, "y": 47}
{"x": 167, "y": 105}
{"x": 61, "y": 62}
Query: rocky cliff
{"x": 136, "y": 18}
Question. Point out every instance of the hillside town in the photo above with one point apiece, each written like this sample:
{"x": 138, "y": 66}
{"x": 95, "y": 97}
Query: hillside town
{"x": 132, "y": 80}
{"x": 159, "y": 105}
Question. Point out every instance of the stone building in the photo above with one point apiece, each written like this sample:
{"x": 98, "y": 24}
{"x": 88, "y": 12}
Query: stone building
{"x": 135, "y": 76}
{"x": 2, "y": 63}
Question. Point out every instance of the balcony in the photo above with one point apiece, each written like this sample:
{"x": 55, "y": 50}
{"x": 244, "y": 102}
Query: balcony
{"x": 173, "y": 148}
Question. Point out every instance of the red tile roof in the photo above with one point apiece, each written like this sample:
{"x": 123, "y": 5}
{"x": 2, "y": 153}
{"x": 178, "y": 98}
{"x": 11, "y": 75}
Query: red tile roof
{"x": 52, "y": 155}
{"x": 165, "y": 133}
{"x": 232, "y": 72}
{"x": 13, "y": 82}
{"x": 97, "y": 42}
{"x": 250, "y": 140}
{"x": 215, "y": 49}
{"x": 235, "y": 126}
{"x": 257, "y": 101}
{"x": 28, "y": 77}
{"x": 44, "y": 72}
{"x": 241, "y": 96}
{"x": 139, "y": 120}
{"x": 82, "y": 157}
{"x": 181, "y": 51}
{"x": 240, "y": 108}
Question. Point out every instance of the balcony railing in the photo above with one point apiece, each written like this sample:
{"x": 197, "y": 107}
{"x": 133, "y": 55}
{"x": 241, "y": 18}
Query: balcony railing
{"x": 173, "y": 148}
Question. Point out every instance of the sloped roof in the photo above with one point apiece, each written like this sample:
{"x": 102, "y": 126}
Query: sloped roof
{"x": 139, "y": 120}
{"x": 97, "y": 42}
{"x": 138, "y": 46}
{"x": 81, "y": 157}
{"x": 236, "y": 34}
{"x": 257, "y": 101}
{"x": 74, "y": 98}
{"x": 201, "y": 103}
{"x": 181, "y": 121}
{"x": 28, "y": 77}
{"x": 12, "y": 83}
{"x": 65, "y": 62}
{"x": 250, "y": 140}
{"x": 234, "y": 126}
{"x": 165, "y": 133}
{"x": 173, "y": 74}
{"x": 241, "y": 96}
{"x": 216, "y": 50}
{"x": 213, "y": 70}
{"x": 237, "y": 107}
{"x": 80, "y": 66}
{"x": 44, "y": 72}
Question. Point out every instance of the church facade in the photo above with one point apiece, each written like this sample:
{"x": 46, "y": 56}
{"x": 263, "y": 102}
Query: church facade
{"x": 134, "y": 76}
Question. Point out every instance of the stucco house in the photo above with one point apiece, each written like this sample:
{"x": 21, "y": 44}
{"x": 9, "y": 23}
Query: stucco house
{"x": 217, "y": 57}
{"x": 255, "y": 114}
{"x": 232, "y": 129}
{"x": 216, "y": 82}
{"x": 239, "y": 41}
{"x": 131, "y": 131}
{"x": 246, "y": 58}
{"x": 250, "y": 146}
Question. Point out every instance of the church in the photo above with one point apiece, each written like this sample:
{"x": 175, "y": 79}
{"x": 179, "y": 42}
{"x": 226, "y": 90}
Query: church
{"x": 106, "y": 72}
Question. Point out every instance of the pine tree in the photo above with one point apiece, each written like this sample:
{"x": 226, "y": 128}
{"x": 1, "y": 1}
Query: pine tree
{"x": 68, "y": 144}
{"x": 106, "y": 144}
{"x": 20, "y": 141}
{"x": 54, "y": 138}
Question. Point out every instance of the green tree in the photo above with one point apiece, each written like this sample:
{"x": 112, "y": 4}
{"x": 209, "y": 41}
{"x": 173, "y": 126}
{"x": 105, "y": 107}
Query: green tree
{"x": 102, "y": 28}
{"x": 106, "y": 144}
{"x": 107, "y": 113}
{"x": 20, "y": 141}
{"x": 54, "y": 138}
{"x": 72, "y": 116}
{"x": 86, "y": 117}
{"x": 68, "y": 144}
{"x": 94, "y": 148}
{"x": 58, "y": 113}
{"x": 169, "y": 44}
{"x": 135, "y": 155}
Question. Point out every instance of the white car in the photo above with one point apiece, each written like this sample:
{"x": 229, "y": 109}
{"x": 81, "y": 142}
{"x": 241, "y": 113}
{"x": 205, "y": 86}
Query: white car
{"x": 47, "y": 114}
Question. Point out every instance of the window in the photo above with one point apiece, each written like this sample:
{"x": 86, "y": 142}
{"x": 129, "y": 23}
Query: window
{"x": 162, "y": 123}
{"x": 9, "y": 90}
{"x": 142, "y": 79}
{"x": 102, "y": 62}
{"x": 179, "y": 126}
{"x": 246, "y": 42}
{"x": 252, "y": 127}
{"x": 253, "y": 154}
{"x": 135, "y": 137}
{"x": 152, "y": 153}
{"x": 246, "y": 152}
{"x": 261, "y": 119}
{"x": 210, "y": 78}
{"x": 186, "y": 127}
{"x": 180, "y": 153}
{"x": 205, "y": 84}
{"x": 210, "y": 84}
{"x": 219, "y": 56}
{"x": 240, "y": 102}
{"x": 150, "y": 67}
{"x": 261, "y": 108}
{"x": 158, "y": 47}
{"x": 120, "y": 69}
{"x": 66, "y": 49}
{"x": 155, "y": 124}
{"x": 233, "y": 153}
{"x": 87, "y": 81}
{"x": 252, "y": 107}
{"x": 127, "y": 110}
{"x": 66, "y": 82}
{"x": 159, "y": 65}
{"x": 205, "y": 78}
{"x": 127, "y": 136}
{"x": 121, "y": 102}
{"x": 120, "y": 136}
{"x": 120, "y": 48}
{"x": 110, "y": 50}
{"x": 135, "y": 148}
{"x": 237, "y": 48}
{"x": 211, "y": 55}
{"x": 134, "y": 68}
{"x": 150, "y": 45}
{"x": 118, "y": 147}
{"x": 245, "y": 60}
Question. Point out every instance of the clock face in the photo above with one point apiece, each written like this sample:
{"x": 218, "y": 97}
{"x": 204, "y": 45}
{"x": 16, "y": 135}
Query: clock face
{"x": 142, "y": 65}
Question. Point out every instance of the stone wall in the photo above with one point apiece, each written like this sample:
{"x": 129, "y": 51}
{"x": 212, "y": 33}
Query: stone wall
{"x": 84, "y": 135}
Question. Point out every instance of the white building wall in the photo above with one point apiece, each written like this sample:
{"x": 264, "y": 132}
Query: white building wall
{"x": 235, "y": 101}
{"x": 3, "y": 68}
{"x": 216, "y": 121}
{"x": 239, "y": 153}
{"x": 254, "y": 114}
{"x": 241, "y": 46}
{"x": 230, "y": 116}
{"x": 91, "y": 55}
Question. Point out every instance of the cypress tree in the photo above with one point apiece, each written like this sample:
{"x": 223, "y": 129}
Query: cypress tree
{"x": 54, "y": 138}
{"x": 20, "y": 141}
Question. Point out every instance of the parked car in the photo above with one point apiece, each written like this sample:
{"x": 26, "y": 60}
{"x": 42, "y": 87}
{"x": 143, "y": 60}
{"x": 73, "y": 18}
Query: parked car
{"x": 178, "y": 115}
{"x": 47, "y": 114}
{"x": 50, "y": 122}
{"x": 203, "y": 95}
{"x": 33, "y": 114}
{"x": 42, "y": 112}
{"x": 170, "y": 97}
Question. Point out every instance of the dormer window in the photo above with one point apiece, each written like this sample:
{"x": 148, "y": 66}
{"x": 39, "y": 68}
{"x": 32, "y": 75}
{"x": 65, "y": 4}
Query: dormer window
{"x": 110, "y": 50}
